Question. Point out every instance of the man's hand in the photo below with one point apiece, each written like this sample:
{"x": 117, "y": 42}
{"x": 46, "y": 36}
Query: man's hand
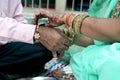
{"x": 55, "y": 19}
{"x": 53, "y": 39}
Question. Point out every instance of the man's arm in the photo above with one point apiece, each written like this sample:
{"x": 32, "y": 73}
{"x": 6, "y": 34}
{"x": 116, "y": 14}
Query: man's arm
{"x": 12, "y": 30}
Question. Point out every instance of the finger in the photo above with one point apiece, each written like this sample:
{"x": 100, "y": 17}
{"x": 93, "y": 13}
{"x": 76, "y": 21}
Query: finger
{"x": 35, "y": 21}
{"x": 46, "y": 13}
{"x": 67, "y": 45}
{"x": 57, "y": 53}
{"x": 37, "y": 12}
{"x": 62, "y": 47}
{"x": 40, "y": 13}
{"x": 50, "y": 25}
{"x": 65, "y": 42}
{"x": 36, "y": 17}
{"x": 60, "y": 54}
{"x": 54, "y": 54}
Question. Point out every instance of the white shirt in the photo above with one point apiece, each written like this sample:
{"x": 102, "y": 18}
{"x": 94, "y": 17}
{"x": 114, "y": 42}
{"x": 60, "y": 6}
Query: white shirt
{"x": 12, "y": 23}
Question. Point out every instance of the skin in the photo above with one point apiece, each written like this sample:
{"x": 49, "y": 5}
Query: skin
{"x": 56, "y": 19}
{"x": 83, "y": 40}
{"x": 53, "y": 39}
{"x": 103, "y": 29}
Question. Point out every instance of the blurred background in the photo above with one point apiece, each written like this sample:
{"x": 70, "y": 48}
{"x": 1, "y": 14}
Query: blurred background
{"x": 63, "y": 6}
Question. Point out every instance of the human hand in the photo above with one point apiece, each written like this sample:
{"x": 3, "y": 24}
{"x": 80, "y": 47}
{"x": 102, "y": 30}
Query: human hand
{"x": 53, "y": 39}
{"x": 55, "y": 19}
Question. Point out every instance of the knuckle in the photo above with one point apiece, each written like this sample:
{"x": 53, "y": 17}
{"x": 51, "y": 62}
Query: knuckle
{"x": 57, "y": 39}
{"x": 53, "y": 45}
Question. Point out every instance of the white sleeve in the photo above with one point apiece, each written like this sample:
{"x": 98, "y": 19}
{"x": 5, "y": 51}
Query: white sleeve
{"x": 11, "y": 30}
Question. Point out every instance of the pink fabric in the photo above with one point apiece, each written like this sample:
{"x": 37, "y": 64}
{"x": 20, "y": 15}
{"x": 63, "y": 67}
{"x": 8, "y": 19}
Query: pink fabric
{"x": 12, "y": 23}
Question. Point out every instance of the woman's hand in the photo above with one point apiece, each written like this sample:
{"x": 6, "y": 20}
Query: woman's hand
{"x": 55, "y": 19}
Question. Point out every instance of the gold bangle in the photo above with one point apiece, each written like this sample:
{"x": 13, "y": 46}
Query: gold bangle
{"x": 83, "y": 18}
{"x": 76, "y": 20}
{"x": 71, "y": 19}
{"x": 36, "y": 36}
{"x": 77, "y": 23}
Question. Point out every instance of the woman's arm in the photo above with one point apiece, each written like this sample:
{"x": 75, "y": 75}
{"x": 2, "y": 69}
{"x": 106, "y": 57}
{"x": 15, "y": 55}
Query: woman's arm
{"x": 103, "y": 29}
{"x": 83, "y": 40}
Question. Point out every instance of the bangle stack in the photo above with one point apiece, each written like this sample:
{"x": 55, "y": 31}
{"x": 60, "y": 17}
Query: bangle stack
{"x": 75, "y": 21}
{"x": 36, "y": 36}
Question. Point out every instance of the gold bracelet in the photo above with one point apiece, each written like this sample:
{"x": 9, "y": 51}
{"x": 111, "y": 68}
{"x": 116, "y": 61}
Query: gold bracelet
{"x": 83, "y": 18}
{"x": 77, "y": 23}
{"x": 36, "y": 36}
{"x": 71, "y": 19}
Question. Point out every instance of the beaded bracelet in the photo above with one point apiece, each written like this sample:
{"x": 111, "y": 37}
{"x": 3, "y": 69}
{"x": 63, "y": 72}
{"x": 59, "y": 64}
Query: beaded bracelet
{"x": 36, "y": 36}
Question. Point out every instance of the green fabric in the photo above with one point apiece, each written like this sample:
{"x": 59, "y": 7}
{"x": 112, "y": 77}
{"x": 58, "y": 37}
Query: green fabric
{"x": 102, "y": 9}
{"x": 97, "y": 63}
{"x": 102, "y": 60}
{"x": 73, "y": 49}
